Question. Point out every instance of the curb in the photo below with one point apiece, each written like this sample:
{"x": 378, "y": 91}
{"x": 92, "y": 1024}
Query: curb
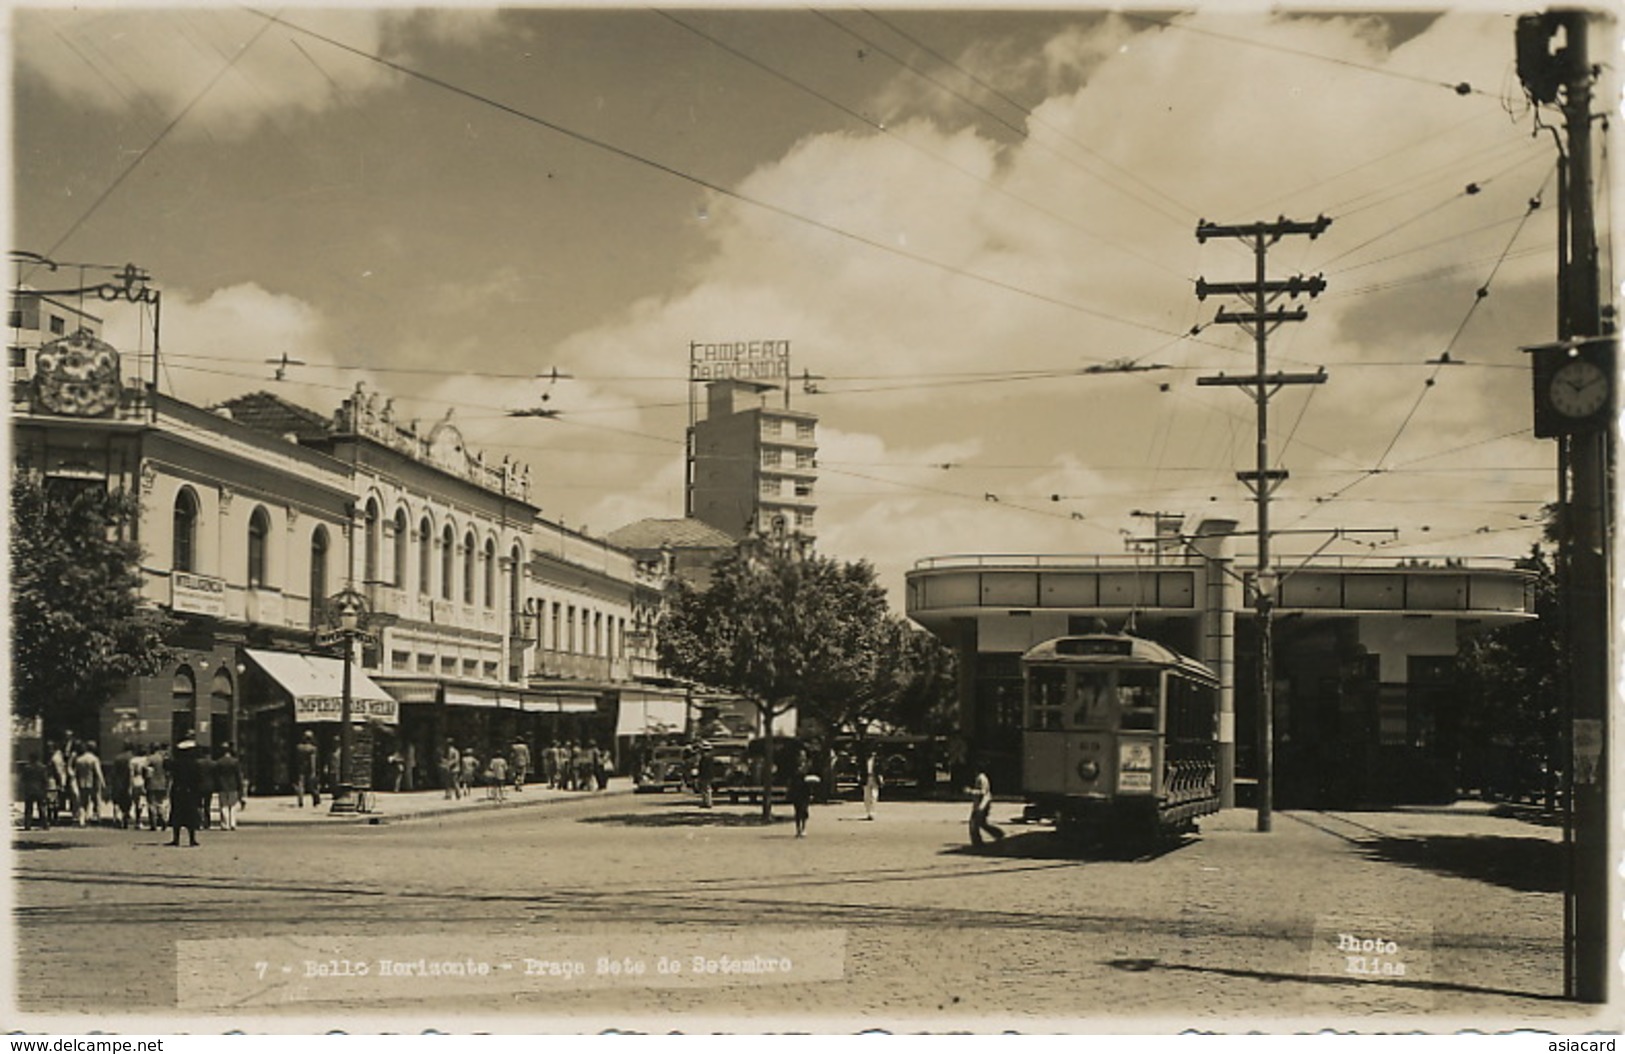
{"x": 386, "y": 818}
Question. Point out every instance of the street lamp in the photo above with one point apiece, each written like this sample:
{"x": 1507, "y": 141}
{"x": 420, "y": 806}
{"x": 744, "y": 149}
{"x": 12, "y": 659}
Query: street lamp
{"x": 349, "y": 609}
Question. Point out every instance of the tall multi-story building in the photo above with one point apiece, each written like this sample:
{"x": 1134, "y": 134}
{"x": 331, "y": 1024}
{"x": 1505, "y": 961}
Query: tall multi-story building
{"x": 755, "y": 465}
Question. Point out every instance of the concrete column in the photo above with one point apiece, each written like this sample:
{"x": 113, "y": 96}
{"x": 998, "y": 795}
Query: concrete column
{"x": 1220, "y": 590}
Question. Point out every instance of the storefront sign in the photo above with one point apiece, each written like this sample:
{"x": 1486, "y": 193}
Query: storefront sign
{"x": 197, "y": 594}
{"x": 309, "y": 708}
{"x": 740, "y": 360}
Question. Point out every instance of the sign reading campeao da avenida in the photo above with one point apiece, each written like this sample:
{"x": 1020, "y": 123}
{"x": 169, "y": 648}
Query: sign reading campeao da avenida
{"x": 739, "y": 360}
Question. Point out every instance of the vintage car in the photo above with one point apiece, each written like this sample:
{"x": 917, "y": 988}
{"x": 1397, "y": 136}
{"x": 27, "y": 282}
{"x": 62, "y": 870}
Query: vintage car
{"x": 668, "y": 766}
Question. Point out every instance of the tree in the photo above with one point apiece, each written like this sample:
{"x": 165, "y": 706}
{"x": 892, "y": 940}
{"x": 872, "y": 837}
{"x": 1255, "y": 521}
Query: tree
{"x": 779, "y": 626}
{"x": 79, "y": 628}
{"x": 910, "y": 685}
{"x": 1515, "y": 680}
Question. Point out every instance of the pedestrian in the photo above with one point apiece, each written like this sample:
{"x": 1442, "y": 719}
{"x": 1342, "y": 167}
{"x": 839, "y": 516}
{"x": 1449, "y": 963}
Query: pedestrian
{"x": 90, "y": 785}
{"x": 467, "y": 773}
{"x": 304, "y": 768}
{"x": 981, "y": 792}
{"x": 602, "y": 763}
{"x": 397, "y": 770}
{"x": 230, "y": 786}
{"x": 496, "y": 774}
{"x": 335, "y": 763}
{"x": 58, "y": 781}
{"x": 34, "y": 780}
{"x": 550, "y": 765}
{"x": 138, "y": 783}
{"x": 872, "y": 783}
{"x": 186, "y": 792}
{"x": 118, "y": 784}
{"x": 521, "y": 763}
{"x": 409, "y": 762}
{"x": 158, "y": 787}
{"x": 801, "y": 788}
{"x": 206, "y": 787}
{"x": 451, "y": 765}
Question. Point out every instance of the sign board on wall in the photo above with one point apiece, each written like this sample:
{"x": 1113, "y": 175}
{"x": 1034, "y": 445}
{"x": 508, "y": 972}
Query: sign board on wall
{"x": 197, "y": 594}
{"x": 739, "y": 360}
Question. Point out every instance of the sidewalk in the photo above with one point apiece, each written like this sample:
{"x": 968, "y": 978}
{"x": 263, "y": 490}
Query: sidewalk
{"x": 394, "y": 807}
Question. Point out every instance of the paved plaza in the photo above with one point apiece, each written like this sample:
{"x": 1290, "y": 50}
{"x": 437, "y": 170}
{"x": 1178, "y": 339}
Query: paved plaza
{"x": 1454, "y": 917}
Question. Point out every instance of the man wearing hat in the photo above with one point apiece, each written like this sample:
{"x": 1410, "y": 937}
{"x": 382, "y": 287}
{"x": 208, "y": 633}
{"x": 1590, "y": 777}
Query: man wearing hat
{"x": 186, "y": 791}
{"x": 304, "y": 778}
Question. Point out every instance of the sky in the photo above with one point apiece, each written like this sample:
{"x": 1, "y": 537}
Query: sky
{"x": 955, "y": 217}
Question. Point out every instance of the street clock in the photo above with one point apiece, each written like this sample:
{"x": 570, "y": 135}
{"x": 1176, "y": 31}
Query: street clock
{"x": 1575, "y": 385}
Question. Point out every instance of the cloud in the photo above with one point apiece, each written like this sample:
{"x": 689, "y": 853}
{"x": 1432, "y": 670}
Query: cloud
{"x": 233, "y": 340}
{"x": 227, "y": 70}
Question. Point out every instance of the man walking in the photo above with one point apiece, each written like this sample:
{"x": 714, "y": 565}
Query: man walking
{"x": 305, "y": 780}
{"x": 90, "y": 785}
{"x": 521, "y": 763}
{"x": 981, "y": 804}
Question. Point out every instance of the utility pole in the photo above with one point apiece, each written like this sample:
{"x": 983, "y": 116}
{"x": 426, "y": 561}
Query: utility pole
{"x": 1576, "y": 403}
{"x": 1261, "y": 319}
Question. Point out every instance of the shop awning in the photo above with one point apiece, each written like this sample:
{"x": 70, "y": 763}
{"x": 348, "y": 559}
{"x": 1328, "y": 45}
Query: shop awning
{"x": 650, "y": 715}
{"x": 490, "y": 698}
{"x": 411, "y": 691}
{"x": 316, "y": 685}
{"x": 557, "y": 703}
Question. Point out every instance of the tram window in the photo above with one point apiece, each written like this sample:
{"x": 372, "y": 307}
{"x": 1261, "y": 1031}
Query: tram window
{"x": 1092, "y": 697}
{"x": 1046, "y": 689}
{"x": 1137, "y": 698}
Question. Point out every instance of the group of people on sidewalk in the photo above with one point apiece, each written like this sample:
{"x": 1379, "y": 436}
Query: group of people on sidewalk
{"x": 142, "y": 786}
{"x": 563, "y": 766}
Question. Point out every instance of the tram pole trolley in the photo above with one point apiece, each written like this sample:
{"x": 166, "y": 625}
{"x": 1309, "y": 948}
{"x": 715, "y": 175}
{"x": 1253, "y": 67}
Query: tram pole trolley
{"x": 1119, "y": 737}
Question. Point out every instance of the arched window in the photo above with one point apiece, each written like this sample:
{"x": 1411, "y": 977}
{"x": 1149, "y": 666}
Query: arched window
{"x": 425, "y": 557}
{"x": 470, "y": 553}
{"x": 448, "y": 561}
{"x": 185, "y": 551}
{"x": 221, "y": 710}
{"x": 401, "y": 539}
{"x": 369, "y": 567}
{"x": 514, "y": 600}
{"x": 183, "y": 705}
{"x": 259, "y": 535}
{"x": 490, "y": 573}
{"x": 318, "y": 573}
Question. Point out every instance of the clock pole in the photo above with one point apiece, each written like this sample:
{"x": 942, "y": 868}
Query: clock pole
{"x": 1575, "y": 403}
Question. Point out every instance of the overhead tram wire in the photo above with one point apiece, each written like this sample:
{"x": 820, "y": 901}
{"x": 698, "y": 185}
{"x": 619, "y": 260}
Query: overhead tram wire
{"x": 1440, "y": 363}
{"x": 880, "y": 126}
{"x": 1459, "y": 87}
{"x": 706, "y": 184}
{"x": 1000, "y": 120}
{"x": 1472, "y": 190}
{"x": 146, "y": 151}
{"x": 1184, "y": 211}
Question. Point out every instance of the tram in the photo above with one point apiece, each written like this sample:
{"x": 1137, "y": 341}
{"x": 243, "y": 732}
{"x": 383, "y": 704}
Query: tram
{"x": 1119, "y": 737}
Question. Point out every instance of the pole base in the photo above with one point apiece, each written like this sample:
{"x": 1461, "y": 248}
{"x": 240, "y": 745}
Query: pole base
{"x": 344, "y": 799}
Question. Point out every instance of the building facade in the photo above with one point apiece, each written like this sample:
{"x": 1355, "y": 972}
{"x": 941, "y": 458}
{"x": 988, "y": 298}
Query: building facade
{"x": 754, "y": 466}
{"x": 1365, "y": 707}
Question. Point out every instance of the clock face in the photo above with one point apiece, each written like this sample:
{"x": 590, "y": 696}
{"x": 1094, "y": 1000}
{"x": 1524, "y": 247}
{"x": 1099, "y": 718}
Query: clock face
{"x": 1579, "y": 389}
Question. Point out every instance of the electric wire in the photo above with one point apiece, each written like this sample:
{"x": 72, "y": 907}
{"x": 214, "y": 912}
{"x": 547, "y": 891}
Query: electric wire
{"x": 707, "y": 184}
{"x": 880, "y": 126}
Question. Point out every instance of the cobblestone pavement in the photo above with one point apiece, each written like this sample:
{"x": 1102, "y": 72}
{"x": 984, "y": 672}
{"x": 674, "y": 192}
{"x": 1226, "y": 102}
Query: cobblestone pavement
{"x": 1232, "y": 929}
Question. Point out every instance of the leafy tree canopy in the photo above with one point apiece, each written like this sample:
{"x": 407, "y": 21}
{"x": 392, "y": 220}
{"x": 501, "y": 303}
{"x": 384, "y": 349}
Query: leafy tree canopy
{"x": 79, "y": 628}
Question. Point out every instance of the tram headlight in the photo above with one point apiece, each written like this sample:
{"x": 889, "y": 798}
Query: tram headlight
{"x": 1088, "y": 769}
{"x": 1134, "y": 757}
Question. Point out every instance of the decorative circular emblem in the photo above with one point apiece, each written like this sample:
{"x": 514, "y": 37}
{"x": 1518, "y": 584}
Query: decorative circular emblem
{"x": 77, "y": 376}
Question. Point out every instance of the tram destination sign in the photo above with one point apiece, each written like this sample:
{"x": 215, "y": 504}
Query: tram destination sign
{"x": 739, "y": 360}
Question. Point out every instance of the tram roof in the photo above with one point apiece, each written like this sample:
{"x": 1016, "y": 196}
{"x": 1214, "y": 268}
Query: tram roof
{"x": 1109, "y": 647}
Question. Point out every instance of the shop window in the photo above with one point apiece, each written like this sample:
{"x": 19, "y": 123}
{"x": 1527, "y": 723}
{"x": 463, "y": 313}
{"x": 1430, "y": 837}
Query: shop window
{"x": 183, "y": 704}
